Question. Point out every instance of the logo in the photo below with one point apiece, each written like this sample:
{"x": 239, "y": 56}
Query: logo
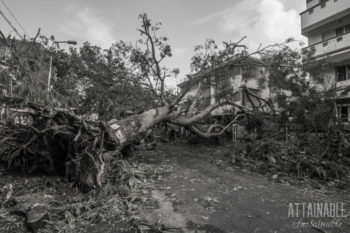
{"x": 317, "y": 215}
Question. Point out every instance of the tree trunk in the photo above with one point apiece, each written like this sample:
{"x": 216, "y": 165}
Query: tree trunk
{"x": 61, "y": 143}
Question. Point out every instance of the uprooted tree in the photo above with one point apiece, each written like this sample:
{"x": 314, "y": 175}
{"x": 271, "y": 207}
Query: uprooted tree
{"x": 126, "y": 77}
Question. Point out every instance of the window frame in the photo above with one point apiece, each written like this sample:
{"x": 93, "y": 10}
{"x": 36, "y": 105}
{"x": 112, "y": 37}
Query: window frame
{"x": 340, "y": 112}
{"x": 346, "y": 73}
{"x": 342, "y": 30}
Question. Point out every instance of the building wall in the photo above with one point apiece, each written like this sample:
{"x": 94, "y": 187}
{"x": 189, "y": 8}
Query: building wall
{"x": 321, "y": 14}
{"x": 327, "y": 31}
{"x": 320, "y": 26}
{"x": 237, "y": 78}
{"x": 192, "y": 92}
{"x": 311, "y": 3}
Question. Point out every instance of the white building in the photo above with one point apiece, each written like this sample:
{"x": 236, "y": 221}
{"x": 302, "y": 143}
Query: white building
{"x": 326, "y": 24}
{"x": 235, "y": 75}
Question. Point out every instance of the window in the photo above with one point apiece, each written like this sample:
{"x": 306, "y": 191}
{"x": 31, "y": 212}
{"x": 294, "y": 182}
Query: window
{"x": 339, "y": 31}
{"x": 243, "y": 98}
{"x": 341, "y": 73}
{"x": 343, "y": 113}
{"x": 342, "y": 30}
{"x": 347, "y": 28}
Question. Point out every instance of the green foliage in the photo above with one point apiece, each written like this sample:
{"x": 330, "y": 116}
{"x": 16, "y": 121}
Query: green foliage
{"x": 294, "y": 159}
{"x": 106, "y": 83}
{"x": 301, "y": 91}
{"x": 89, "y": 79}
{"x": 210, "y": 54}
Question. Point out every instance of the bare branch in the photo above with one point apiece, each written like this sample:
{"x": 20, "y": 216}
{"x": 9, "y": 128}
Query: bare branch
{"x": 248, "y": 92}
{"x": 187, "y": 121}
{"x": 207, "y": 134}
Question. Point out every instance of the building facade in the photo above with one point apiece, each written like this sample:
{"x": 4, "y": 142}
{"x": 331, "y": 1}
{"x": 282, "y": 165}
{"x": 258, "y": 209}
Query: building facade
{"x": 326, "y": 24}
{"x": 233, "y": 78}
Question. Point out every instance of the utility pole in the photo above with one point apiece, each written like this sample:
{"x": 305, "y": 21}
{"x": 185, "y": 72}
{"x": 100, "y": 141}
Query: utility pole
{"x": 50, "y": 74}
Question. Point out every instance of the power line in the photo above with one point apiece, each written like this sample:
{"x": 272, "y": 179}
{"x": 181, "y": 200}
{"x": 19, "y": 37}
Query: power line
{"x": 9, "y": 22}
{"x": 14, "y": 17}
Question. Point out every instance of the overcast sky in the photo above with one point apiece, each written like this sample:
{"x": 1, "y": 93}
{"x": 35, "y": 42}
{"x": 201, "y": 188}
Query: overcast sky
{"x": 185, "y": 22}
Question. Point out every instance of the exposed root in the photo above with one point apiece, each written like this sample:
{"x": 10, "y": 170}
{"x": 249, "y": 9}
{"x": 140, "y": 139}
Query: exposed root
{"x": 57, "y": 142}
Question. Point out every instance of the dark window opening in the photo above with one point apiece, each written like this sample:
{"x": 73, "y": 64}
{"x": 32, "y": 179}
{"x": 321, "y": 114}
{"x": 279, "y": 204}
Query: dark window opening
{"x": 243, "y": 98}
{"x": 342, "y": 30}
{"x": 343, "y": 113}
{"x": 341, "y": 73}
{"x": 339, "y": 31}
{"x": 347, "y": 28}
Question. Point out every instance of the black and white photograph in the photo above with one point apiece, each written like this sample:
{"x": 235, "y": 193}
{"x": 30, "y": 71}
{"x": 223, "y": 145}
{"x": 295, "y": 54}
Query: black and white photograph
{"x": 175, "y": 116}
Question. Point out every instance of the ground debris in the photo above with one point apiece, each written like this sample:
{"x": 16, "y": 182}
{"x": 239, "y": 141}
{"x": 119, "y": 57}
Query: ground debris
{"x": 56, "y": 142}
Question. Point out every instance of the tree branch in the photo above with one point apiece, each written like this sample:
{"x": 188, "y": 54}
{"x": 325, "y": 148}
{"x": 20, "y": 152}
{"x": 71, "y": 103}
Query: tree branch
{"x": 208, "y": 134}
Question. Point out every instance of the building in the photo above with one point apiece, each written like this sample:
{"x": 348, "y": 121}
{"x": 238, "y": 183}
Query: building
{"x": 233, "y": 75}
{"x": 326, "y": 24}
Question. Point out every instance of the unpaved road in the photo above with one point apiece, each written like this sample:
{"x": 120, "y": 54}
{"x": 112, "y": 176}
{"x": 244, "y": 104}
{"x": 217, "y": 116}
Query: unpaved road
{"x": 199, "y": 196}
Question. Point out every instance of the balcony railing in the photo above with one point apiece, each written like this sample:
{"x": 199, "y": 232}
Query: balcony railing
{"x": 328, "y": 47}
{"x": 322, "y": 11}
{"x": 311, "y": 3}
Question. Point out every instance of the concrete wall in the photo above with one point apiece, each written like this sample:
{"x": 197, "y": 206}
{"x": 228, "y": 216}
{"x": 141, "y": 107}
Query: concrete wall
{"x": 192, "y": 92}
{"x": 327, "y": 30}
{"x": 236, "y": 79}
{"x": 311, "y": 3}
{"x": 323, "y": 14}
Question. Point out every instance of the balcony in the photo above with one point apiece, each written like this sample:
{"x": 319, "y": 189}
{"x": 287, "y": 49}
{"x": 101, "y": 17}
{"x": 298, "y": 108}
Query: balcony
{"x": 311, "y": 3}
{"x": 337, "y": 48}
{"x": 322, "y": 13}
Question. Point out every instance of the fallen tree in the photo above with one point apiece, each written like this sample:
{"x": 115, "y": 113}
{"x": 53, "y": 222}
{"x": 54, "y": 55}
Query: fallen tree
{"x": 57, "y": 141}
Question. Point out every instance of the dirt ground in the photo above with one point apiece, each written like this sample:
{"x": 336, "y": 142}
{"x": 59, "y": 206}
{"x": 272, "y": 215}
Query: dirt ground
{"x": 196, "y": 195}
{"x": 186, "y": 190}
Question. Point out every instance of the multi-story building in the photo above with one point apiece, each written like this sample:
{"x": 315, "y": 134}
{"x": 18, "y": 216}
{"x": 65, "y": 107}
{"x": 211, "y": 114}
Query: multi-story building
{"x": 326, "y": 24}
{"x": 233, "y": 75}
